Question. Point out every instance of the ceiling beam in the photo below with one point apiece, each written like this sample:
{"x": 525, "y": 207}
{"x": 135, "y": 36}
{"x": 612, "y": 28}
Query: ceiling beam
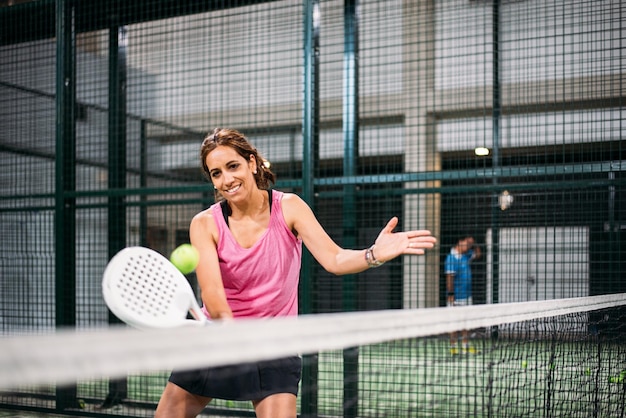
{"x": 32, "y": 21}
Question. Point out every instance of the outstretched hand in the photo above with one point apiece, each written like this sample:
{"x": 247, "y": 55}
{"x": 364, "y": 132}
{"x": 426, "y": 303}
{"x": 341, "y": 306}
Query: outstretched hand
{"x": 391, "y": 244}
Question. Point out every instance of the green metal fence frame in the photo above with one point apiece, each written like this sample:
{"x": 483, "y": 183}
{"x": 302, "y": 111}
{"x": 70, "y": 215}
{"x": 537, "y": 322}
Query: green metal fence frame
{"x": 65, "y": 19}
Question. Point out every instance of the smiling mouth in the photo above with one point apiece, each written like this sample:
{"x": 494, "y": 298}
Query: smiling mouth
{"x": 234, "y": 189}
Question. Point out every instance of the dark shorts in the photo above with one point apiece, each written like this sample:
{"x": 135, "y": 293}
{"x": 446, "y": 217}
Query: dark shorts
{"x": 243, "y": 382}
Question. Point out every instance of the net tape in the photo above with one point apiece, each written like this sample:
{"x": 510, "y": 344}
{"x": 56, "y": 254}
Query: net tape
{"x": 67, "y": 356}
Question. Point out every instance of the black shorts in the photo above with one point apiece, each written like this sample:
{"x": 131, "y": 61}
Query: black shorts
{"x": 243, "y": 382}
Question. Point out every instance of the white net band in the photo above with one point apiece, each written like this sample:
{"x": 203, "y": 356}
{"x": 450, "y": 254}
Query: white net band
{"x": 67, "y": 356}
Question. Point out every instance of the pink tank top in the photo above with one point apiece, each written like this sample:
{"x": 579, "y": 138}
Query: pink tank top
{"x": 260, "y": 281}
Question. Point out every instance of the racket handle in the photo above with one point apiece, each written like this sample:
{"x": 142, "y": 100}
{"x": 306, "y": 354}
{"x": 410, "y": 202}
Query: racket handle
{"x": 198, "y": 315}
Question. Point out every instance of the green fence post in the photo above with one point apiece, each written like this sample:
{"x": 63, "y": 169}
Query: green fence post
{"x": 310, "y": 160}
{"x": 118, "y": 388}
{"x": 65, "y": 181}
{"x": 350, "y": 168}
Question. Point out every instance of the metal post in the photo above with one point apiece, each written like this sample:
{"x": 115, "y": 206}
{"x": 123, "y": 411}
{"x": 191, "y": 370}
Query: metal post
{"x": 495, "y": 210}
{"x": 118, "y": 389}
{"x": 350, "y": 168}
{"x": 65, "y": 181}
{"x": 117, "y": 138}
{"x": 310, "y": 161}
{"x": 143, "y": 182}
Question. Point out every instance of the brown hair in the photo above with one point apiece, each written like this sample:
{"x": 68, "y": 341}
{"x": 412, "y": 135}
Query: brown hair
{"x": 264, "y": 177}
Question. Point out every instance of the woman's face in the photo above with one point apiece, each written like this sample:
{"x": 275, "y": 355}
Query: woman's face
{"x": 231, "y": 174}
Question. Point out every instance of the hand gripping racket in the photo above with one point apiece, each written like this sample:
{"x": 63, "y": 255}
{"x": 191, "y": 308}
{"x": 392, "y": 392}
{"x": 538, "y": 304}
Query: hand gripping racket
{"x": 146, "y": 291}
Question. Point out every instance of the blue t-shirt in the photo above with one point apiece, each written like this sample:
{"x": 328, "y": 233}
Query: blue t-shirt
{"x": 459, "y": 265}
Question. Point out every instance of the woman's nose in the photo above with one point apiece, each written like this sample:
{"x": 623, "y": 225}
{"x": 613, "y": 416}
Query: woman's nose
{"x": 227, "y": 177}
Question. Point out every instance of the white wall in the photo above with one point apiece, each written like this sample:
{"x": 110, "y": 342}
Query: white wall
{"x": 539, "y": 40}
{"x": 540, "y": 263}
{"x": 533, "y": 129}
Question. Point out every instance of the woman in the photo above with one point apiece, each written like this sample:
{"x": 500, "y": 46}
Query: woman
{"x": 250, "y": 243}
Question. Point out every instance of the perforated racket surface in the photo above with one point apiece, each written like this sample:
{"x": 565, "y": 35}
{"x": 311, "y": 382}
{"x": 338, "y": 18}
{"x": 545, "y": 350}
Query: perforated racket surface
{"x": 145, "y": 290}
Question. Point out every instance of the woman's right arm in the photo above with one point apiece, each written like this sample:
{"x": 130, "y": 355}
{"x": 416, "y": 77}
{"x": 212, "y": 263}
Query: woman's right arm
{"x": 203, "y": 236}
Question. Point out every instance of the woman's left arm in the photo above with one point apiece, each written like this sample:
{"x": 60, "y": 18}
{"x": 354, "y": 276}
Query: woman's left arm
{"x": 301, "y": 219}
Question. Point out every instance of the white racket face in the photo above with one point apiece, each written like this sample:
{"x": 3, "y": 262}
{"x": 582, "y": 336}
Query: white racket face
{"x": 145, "y": 290}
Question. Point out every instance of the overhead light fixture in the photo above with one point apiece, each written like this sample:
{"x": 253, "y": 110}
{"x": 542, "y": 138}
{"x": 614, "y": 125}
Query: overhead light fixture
{"x": 481, "y": 151}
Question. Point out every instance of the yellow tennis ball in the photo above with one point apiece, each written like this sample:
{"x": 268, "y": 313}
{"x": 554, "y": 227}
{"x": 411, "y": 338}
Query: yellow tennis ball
{"x": 185, "y": 257}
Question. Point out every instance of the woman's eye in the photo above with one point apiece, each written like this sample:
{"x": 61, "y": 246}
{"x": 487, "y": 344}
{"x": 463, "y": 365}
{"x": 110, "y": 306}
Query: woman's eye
{"x": 215, "y": 174}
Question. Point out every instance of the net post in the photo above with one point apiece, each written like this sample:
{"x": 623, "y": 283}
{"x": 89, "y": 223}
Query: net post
{"x": 351, "y": 382}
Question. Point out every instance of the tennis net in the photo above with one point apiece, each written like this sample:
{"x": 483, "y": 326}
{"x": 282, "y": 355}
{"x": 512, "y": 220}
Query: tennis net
{"x": 552, "y": 358}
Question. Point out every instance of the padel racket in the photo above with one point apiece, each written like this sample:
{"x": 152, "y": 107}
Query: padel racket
{"x": 146, "y": 291}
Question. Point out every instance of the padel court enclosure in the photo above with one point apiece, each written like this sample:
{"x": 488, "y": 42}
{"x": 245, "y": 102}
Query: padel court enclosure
{"x": 367, "y": 109}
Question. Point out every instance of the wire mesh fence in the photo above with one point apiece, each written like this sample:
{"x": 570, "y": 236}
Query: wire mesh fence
{"x": 499, "y": 120}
